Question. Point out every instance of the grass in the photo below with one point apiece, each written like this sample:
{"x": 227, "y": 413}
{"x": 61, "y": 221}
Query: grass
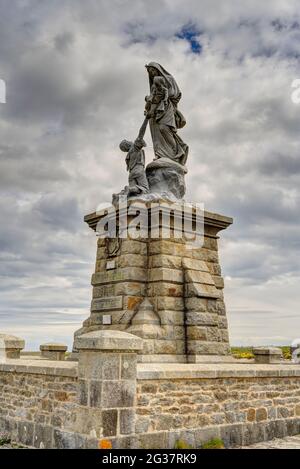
{"x": 4, "y": 439}
{"x": 182, "y": 444}
{"x": 215, "y": 443}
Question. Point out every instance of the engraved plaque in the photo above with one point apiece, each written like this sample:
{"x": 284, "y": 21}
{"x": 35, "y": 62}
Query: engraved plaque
{"x": 110, "y": 265}
{"x": 106, "y": 277}
{"x": 106, "y": 319}
{"x": 104, "y": 290}
{"x": 108, "y": 303}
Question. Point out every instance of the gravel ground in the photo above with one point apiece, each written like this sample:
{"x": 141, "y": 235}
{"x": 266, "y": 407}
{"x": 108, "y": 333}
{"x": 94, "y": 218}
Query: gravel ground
{"x": 290, "y": 442}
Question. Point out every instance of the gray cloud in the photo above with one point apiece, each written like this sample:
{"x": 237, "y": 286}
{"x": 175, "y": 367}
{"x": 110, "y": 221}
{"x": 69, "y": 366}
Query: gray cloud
{"x": 75, "y": 88}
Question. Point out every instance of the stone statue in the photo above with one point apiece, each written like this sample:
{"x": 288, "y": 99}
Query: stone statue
{"x": 135, "y": 163}
{"x": 165, "y": 119}
{"x": 164, "y": 176}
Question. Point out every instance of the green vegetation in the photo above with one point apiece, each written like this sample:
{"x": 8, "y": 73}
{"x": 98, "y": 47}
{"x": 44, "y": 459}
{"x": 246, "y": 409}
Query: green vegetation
{"x": 215, "y": 443}
{"x": 247, "y": 352}
{"x": 4, "y": 439}
{"x": 181, "y": 444}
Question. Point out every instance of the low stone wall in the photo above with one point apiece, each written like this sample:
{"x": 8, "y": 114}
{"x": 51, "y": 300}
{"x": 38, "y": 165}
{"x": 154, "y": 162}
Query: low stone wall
{"x": 240, "y": 403}
{"x": 37, "y": 399}
{"x": 110, "y": 399}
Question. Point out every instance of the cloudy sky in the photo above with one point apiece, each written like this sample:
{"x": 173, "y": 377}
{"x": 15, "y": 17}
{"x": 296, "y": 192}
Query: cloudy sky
{"x": 76, "y": 83}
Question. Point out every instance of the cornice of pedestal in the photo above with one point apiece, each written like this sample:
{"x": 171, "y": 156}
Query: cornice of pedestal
{"x": 215, "y": 220}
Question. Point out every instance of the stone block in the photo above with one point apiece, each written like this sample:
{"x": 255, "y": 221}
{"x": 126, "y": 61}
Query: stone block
{"x": 127, "y": 421}
{"x": 166, "y": 275}
{"x": 196, "y": 347}
{"x": 68, "y": 440}
{"x": 25, "y": 432}
{"x": 195, "y": 276}
{"x": 10, "y": 346}
{"x": 232, "y": 435}
{"x": 169, "y": 317}
{"x": 210, "y": 243}
{"x": 261, "y": 414}
{"x": 109, "y": 340}
{"x": 83, "y": 392}
{"x": 214, "y": 334}
{"x": 263, "y": 355}
{"x": 53, "y": 351}
{"x": 169, "y": 303}
{"x": 165, "y": 289}
{"x": 202, "y": 291}
{"x": 196, "y": 304}
{"x": 118, "y": 394}
{"x": 43, "y": 436}
{"x": 95, "y": 393}
{"x": 132, "y": 246}
{"x": 152, "y": 441}
{"x": 194, "y": 318}
{"x": 132, "y": 260}
{"x": 223, "y": 335}
{"x": 123, "y": 274}
{"x": 206, "y": 255}
{"x": 162, "y": 247}
{"x": 128, "y": 366}
{"x": 109, "y": 422}
{"x": 253, "y": 433}
{"x": 164, "y": 260}
{"x": 194, "y": 264}
{"x": 219, "y": 281}
{"x": 196, "y": 333}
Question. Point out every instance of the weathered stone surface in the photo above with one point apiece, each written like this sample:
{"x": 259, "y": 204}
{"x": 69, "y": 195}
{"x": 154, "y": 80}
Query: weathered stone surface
{"x": 128, "y": 366}
{"x": 68, "y": 440}
{"x": 43, "y": 436}
{"x": 165, "y": 289}
{"x": 162, "y": 247}
{"x": 166, "y": 261}
{"x": 194, "y": 264}
{"x": 118, "y": 394}
{"x": 83, "y": 392}
{"x": 201, "y": 319}
{"x": 109, "y": 340}
{"x": 171, "y": 317}
{"x": 10, "y": 346}
{"x": 166, "y": 275}
{"x": 195, "y": 276}
{"x": 207, "y": 348}
{"x": 107, "y": 304}
{"x": 196, "y": 304}
{"x": 169, "y": 303}
{"x": 109, "y": 422}
{"x": 267, "y": 354}
{"x": 127, "y": 421}
{"x": 201, "y": 290}
{"x": 197, "y": 333}
{"x": 53, "y": 351}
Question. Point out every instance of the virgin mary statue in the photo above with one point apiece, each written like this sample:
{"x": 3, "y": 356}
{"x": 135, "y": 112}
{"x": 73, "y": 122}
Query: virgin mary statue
{"x": 164, "y": 124}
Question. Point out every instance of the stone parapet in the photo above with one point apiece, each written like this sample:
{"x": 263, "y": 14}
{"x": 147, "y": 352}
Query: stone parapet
{"x": 108, "y": 398}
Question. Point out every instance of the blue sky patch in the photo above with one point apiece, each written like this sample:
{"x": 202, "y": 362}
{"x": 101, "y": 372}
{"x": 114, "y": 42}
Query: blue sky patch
{"x": 190, "y": 33}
